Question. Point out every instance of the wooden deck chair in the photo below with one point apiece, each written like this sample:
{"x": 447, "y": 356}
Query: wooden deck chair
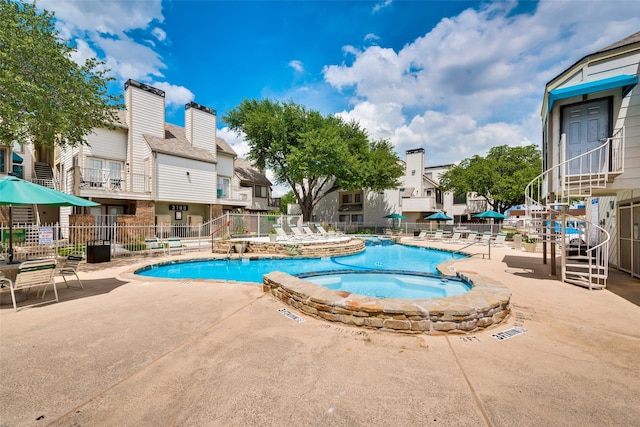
{"x": 282, "y": 235}
{"x": 174, "y": 244}
{"x": 70, "y": 268}
{"x": 154, "y": 246}
{"x": 34, "y": 274}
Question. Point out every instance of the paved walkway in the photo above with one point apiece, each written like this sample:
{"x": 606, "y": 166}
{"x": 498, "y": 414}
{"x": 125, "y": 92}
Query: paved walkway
{"x": 139, "y": 351}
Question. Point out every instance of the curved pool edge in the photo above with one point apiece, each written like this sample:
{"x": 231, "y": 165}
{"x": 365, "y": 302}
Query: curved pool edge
{"x": 488, "y": 303}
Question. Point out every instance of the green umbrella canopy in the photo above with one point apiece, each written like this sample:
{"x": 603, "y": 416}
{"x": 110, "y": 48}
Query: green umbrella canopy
{"x": 490, "y": 214}
{"x": 16, "y": 191}
{"x": 394, "y": 216}
{"x": 439, "y": 216}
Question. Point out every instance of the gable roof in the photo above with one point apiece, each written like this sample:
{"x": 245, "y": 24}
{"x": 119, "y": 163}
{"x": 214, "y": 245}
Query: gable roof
{"x": 176, "y": 144}
{"x": 248, "y": 174}
{"x": 224, "y": 147}
{"x": 633, "y": 38}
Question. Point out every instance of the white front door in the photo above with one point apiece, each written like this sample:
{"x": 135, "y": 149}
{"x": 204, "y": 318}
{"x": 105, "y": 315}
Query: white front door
{"x": 586, "y": 127}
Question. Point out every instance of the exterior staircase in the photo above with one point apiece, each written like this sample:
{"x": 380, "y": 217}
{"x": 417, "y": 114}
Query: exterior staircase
{"x": 584, "y": 249}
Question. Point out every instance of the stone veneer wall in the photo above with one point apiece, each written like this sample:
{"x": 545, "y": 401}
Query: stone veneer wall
{"x": 307, "y": 250}
{"x": 486, "y": 304}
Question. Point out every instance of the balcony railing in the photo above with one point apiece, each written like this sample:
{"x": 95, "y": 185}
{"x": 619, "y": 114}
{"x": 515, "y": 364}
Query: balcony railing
{"x": 87, "y": 179}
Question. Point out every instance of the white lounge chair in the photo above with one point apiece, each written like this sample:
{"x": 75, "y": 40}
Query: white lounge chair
{"x": 486, "y": 237}
{"x": 421, "y": 236}
{"x": 70, "y": 268}
{"x": 33, "y": 274}
{"x": 438, "y": 235}
{"x": 282, "y": 235}
{"x": 174, "y": 244}
{"x": 500, "y": 239}
{"x": 472, "y": 237}
{"x": 154, "y": 246}
{"x": 455, "y": 237}
{"x": 309, "y": 232}
{"x": 321, "y": 230}
{"x": 297, "y": 233}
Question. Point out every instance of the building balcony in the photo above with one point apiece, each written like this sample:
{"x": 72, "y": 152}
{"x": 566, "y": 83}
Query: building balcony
{"x": 85, "y": 182}
{"x": 419, "y": 204}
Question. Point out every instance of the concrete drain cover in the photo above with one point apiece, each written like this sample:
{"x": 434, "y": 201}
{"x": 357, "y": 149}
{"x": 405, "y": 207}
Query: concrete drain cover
{"x": 291, "y": 315}
{"x": 509, "y": 333}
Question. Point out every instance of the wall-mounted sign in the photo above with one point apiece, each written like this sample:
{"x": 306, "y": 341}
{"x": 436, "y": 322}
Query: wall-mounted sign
{"x": 178, "y": 207}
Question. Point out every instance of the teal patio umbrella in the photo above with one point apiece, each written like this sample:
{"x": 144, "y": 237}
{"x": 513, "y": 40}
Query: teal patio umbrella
{"x": 490, "y": 215}
{"x": 438, "y": 216}
{"x": 394, "y": 217}
{"x": 15, "y": 192}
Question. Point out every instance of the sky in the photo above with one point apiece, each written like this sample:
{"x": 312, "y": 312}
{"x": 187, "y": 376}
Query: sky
{"x": 453, "y": 77}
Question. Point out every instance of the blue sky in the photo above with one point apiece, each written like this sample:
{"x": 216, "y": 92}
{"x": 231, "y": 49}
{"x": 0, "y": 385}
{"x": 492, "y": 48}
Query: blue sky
{"x": 452, "y": 77}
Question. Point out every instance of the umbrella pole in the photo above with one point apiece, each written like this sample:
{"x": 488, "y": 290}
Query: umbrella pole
{"x": 10, "y": 235}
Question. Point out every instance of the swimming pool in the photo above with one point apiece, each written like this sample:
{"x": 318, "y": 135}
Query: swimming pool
{"x": 390, "y": 284}
{"x": 394, "y": 257}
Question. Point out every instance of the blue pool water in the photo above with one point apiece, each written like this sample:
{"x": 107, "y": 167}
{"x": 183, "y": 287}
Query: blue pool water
{"x": 394, "y": 257}
{"x": 391, "y": 285}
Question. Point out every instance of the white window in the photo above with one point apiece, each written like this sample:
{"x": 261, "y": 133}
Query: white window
{"x": 224, "y": 184}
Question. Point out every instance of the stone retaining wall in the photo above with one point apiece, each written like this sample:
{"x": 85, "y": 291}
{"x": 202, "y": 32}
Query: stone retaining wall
{"x": 486, "y": 304}
{"x": 307, "y": 250}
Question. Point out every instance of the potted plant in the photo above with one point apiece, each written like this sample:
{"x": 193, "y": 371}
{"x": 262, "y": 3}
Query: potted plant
{"x": 529, "y": 243}
{"x": 273, "y": 235}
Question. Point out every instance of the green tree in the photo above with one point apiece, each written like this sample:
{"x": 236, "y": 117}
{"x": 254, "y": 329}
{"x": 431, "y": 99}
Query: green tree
{"x": 285, "y": 200}
{"x": 500, "y": 178}
{"x": 311, "y": 153}
{"x": 45, "y": 97}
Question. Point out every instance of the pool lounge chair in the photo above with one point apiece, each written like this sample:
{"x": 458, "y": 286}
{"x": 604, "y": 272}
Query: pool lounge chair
{"x": 33, "y": 274}
{"x": 421, "y": 236}
{"x": 297, "y": 233}
{"x": 70, "y": 268}
{"x": 438, "y": 235}
{"x": 174, "y": 244}
{"x": 282, "y": 235}
{"x": 472, "y": 237}
{"x": 309, "y": 232}
{"x": 454, "y": 238}
{"x": 485, "y": 238}
{"x": 500, "y": 239}
{"x": 154, "y": 246}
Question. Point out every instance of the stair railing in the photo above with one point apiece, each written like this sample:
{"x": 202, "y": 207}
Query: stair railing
{"x": 576, "y": 177}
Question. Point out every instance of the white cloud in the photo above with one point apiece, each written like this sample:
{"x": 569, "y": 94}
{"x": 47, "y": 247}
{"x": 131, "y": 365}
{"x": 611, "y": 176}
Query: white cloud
{"x": 175, "y": 96}
{"x": 371, "y": 37}
{"x": 101, "y": 29}
{"x": 237, "y": 142}
{"x": 160, "y": 34}
{"x": 379, "y": 6}
{"x": 296, "y": 65}
{"x": 476, "y": 79}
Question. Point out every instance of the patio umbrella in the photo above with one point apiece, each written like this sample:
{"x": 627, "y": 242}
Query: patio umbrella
{"x": 490, "y": 215}
{"x": 438, "y": 216}
{"x": 394, "y": 216}
{"x": 15, "y": 192}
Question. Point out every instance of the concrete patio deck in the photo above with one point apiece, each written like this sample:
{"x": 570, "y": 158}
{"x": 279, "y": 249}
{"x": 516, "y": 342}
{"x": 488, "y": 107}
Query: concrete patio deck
{"x": 140, "y": 351}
